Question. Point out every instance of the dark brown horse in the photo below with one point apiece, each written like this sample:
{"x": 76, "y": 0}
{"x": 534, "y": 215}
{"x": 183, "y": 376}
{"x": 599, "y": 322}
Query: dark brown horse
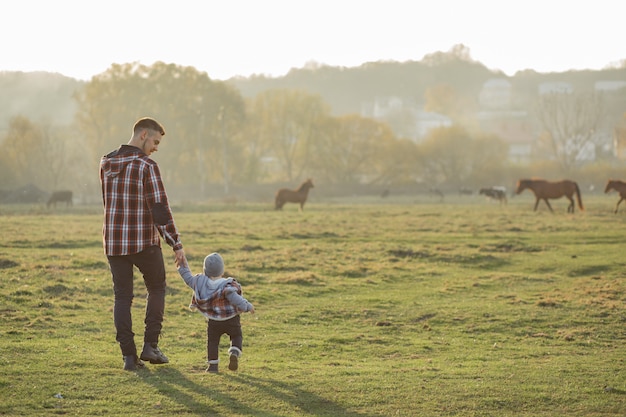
{"x": 620, "y": 187}
{"x": 545, "y": 190}
{"x": 495, "y": 193}
{"x": 64, "y": 196}
{"x": 285, "y": 195}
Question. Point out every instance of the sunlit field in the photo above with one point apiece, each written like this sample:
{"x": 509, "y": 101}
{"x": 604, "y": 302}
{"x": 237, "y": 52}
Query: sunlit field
{"x": 404, "y": 306}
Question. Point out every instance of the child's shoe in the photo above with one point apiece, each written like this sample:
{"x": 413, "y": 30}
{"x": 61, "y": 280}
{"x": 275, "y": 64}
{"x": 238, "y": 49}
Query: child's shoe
{"x": 234, "y": 362}
{"x": 213, "y": 368}
{"x": 235, "y": 353}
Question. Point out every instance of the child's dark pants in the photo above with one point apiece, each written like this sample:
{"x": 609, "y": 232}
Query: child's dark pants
{"x": 215, "y": 330}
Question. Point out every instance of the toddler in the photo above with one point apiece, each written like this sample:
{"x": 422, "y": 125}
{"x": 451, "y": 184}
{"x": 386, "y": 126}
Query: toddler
{"x": 220, "y": 300}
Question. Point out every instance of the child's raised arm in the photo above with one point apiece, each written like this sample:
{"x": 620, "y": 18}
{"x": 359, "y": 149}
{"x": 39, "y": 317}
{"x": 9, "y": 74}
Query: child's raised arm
{"x": 186, "y": 275}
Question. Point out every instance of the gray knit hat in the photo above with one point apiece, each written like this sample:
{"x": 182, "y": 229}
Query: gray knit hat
{"x": 213, "y": 265}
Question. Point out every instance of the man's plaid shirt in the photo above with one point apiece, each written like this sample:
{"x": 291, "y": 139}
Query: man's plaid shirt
{"x": 133, "y": 195}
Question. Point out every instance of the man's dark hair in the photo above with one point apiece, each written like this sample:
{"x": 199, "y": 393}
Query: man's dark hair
{"x": 148, "y": 123}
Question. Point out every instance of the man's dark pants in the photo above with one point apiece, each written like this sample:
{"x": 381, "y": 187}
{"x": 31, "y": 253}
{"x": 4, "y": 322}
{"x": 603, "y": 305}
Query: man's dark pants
{"x": 150, "y": 264}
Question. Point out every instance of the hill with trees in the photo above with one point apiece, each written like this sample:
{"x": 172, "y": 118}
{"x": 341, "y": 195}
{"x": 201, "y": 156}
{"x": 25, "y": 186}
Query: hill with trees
{"x": 41, "y": 95}
{"x": 314, "y": 121}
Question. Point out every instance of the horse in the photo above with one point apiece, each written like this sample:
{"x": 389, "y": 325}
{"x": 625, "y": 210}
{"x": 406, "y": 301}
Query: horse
{"x": 495, "y": 193}
{"x": 64, "y": 196}
{"x": 620, "y": 187}
{"x": 299, "y": 195}
{"x": 544, "y": 190}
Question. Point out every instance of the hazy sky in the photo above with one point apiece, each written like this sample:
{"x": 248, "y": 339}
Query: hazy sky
{"x": 226, "y": 38}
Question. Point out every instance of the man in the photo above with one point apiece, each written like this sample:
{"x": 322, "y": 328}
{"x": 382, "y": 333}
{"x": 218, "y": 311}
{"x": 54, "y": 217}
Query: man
{"x": 136, "y": 214}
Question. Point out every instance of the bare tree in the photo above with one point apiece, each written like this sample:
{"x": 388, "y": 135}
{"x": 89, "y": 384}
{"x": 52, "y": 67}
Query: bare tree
{"x": 37, "y": 153}
{"x": 570, "y": 122}
{"x": 289, "y": 121}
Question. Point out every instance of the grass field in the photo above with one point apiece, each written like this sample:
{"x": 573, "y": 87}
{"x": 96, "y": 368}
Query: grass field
{"x": 364, "y": 308}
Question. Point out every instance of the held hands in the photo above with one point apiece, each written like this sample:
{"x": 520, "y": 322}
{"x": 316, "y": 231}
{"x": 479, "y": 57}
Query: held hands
{"x": 180, "y": 258}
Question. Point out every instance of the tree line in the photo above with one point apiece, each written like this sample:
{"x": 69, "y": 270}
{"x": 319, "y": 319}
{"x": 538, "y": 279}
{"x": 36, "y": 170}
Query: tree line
{"x": 215, "y": 135}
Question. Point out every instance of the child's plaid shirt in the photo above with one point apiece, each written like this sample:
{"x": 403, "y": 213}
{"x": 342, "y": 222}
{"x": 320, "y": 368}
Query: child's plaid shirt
{"x": 218, "y": 306}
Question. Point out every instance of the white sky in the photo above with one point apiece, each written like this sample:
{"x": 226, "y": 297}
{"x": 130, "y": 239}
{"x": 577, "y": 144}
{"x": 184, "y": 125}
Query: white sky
{"x": 226, "y": 38}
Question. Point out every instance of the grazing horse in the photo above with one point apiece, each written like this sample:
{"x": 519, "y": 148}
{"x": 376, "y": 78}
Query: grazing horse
{"x": 620, "y": 187}
{"x": 544, "y": 190}
{"x": 495, "y": 193}
{"x": 60, "y": 197}
{"x": 285, "y": 195}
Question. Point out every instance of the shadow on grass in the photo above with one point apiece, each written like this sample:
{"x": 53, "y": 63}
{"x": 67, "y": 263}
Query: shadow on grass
{"x": 589, "y": 270}
{"x": 189, "y": 395}
{"x": 180, "y": 390}
{"x": 298, "y": 398}
{"x": 196, "y": 398}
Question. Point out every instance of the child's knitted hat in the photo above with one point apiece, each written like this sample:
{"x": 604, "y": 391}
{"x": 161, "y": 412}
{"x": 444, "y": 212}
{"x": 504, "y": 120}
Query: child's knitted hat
{"x": 213, "y": 265}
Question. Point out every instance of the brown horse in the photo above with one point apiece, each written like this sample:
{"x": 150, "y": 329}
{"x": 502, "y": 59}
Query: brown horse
{"x": 64, "y": 196}
{"x": 495, "y": 193}
{"x": 285, "y": 195}
{"x": 620, "y": 187}
{"x": 544, "y": 190}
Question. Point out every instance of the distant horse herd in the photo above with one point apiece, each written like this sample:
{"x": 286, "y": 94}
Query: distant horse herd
{"x": 543, "y": 190}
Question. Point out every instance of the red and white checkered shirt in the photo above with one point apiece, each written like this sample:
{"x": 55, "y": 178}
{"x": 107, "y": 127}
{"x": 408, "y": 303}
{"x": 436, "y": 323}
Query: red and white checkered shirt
{"x": 224, "y": 303}
{"x": 132, "y": 190}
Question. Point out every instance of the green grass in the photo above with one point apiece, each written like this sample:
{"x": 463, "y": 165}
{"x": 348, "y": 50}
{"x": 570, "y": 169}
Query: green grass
{"x": 394, "y": 308}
